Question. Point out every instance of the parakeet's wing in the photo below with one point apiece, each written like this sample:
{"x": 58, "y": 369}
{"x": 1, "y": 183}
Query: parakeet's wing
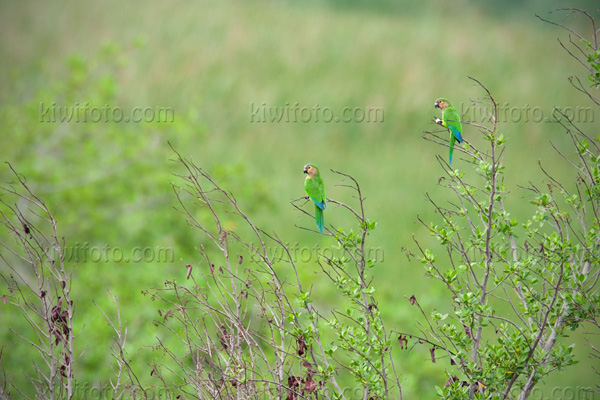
{"x": 452, "y": 121}
{"x": 315, "y": 189}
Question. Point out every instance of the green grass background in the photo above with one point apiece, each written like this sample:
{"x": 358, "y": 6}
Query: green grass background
{"x": 208, "y": 61}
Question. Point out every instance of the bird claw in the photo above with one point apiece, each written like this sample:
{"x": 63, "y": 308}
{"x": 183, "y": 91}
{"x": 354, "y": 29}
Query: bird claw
{"x": 438, "y": 121}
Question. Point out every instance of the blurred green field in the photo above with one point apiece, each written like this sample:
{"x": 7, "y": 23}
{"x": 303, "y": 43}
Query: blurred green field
{"x": 211, "y": 63}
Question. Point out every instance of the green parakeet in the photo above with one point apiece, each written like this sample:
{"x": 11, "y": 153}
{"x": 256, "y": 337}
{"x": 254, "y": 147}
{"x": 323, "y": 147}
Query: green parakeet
{"x": 315, "y": 189}
{"x": 451, "y": 121}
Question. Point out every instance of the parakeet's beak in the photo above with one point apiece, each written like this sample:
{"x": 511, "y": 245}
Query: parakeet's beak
{"x": 437, "y": 105}
{"x": 305, "y": 170}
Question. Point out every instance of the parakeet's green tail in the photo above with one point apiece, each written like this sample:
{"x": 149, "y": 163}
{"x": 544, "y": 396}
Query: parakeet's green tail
{"x": 320, "y": 219}
{"x": 452, "y": 141}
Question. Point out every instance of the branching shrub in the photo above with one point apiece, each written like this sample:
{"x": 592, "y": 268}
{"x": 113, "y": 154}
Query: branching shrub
{"x": 516, "y": 287}
{"x": 37, "y": 282}
{"x": 248, "y": 323}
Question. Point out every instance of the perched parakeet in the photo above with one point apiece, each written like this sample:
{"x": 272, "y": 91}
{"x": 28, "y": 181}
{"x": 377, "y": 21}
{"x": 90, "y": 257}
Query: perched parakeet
{"x": 315, "y": 189}
{"x": 451, "y": 121}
